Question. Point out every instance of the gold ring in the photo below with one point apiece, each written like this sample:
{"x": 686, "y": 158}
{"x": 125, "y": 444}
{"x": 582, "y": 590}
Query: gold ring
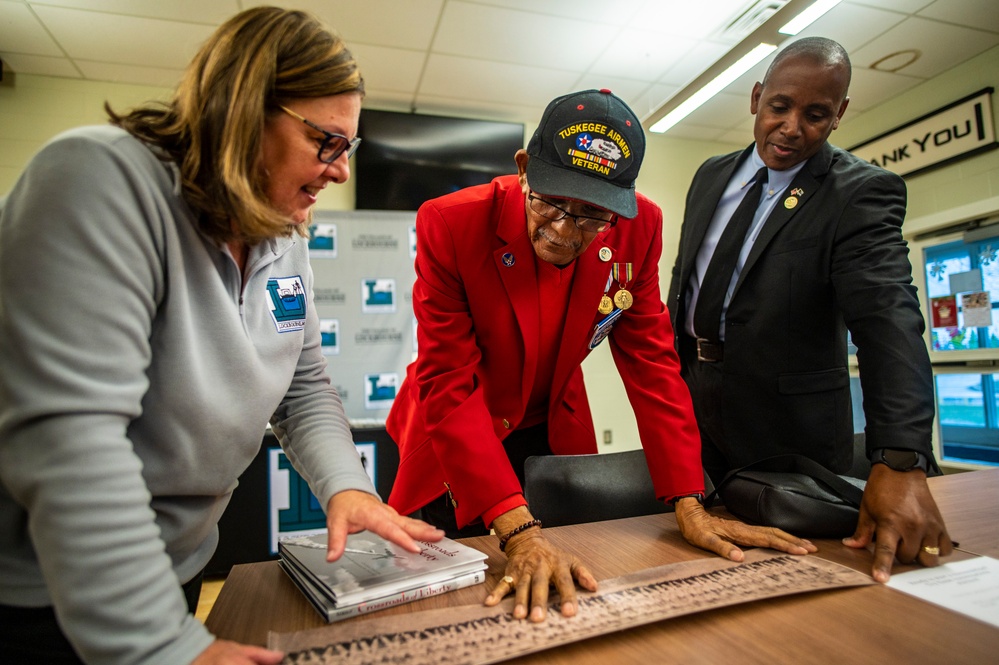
{"x": 508, "y": 580}
{"x": 931, "y": 550}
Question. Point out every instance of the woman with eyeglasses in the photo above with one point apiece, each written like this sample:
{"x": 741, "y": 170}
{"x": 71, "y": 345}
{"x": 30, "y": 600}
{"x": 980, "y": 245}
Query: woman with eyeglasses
{"x": 155, "y": 314}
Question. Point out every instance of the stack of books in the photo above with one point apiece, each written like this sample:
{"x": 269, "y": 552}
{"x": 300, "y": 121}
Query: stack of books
{"x": 374, "y": 574}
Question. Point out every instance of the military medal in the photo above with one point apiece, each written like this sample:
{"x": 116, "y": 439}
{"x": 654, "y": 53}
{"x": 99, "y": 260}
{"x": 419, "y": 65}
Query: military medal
{"x": 606, "y": 305}
{"x": 623, "y": 299}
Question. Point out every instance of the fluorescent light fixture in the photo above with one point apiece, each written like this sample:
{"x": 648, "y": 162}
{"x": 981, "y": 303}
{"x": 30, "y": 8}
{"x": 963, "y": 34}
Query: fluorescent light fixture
{"x": 713, "y": 87}
{"x": 807, "y": 17}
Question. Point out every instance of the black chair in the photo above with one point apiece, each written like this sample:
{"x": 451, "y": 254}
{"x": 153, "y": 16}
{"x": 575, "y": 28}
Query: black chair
{"x": 861, "y": 465}
{"x": 571, "y": 489}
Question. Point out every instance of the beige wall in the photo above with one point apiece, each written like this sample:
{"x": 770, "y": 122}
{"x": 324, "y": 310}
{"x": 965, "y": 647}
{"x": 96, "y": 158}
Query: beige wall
{"x": 35, "y": 108}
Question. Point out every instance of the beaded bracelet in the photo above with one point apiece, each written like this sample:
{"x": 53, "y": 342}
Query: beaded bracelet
{"x": 523, "y": 527}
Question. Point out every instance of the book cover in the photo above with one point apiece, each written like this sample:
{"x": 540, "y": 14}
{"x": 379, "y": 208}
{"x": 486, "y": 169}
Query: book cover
{"x": 372, "y": 567}
{"x": 333, "y": 612}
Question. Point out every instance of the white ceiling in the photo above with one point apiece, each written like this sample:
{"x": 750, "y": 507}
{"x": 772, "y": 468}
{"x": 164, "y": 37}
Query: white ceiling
{"x": 505, "y": 59}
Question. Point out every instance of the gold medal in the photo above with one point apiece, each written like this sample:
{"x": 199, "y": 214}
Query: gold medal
{"x": 623, "y": 299}
{"x": 606, "y": 305}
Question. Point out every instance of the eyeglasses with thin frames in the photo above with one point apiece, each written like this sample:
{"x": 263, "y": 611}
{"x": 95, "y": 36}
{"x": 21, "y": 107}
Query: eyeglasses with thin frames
{"x": 333, "y": 145}
{"x": 583, "y": 222}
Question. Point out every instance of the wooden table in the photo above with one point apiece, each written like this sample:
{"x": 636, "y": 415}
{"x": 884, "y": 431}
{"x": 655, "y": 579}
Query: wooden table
{"x": 872, "y": 624}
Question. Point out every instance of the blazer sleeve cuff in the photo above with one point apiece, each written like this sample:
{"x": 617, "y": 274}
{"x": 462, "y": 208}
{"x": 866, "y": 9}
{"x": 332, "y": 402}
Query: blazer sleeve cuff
{"x": 509, "y": 503}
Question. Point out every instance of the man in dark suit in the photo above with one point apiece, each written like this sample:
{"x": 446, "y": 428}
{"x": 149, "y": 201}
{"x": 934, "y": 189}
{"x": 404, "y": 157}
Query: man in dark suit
{"x": 762, "y": 334}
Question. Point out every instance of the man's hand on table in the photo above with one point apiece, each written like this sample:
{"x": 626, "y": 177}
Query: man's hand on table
{"x": 900, "y": 512}
{"x": 533, "y": 564}
{"x": 722, "y": 536}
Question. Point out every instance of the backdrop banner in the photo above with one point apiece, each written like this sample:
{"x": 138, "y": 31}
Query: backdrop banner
{"x": 363, "y": 265}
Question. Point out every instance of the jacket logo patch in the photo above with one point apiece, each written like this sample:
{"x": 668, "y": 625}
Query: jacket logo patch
{"x": 287, "y": 303}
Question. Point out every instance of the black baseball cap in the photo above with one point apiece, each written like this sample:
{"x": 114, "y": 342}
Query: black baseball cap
{"x": 589, "y": 146}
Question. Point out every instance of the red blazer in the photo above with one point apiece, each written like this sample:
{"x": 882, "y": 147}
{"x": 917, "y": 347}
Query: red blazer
{"x": 476, "y": 305}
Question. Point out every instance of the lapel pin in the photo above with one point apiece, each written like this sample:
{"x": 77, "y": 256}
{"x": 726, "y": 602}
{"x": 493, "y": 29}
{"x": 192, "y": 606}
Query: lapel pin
{"x": 508, "y": 259}
{"x": 798, "y": 191}
{"x": 605, "y": 254}
{"x": 790, "y": 202}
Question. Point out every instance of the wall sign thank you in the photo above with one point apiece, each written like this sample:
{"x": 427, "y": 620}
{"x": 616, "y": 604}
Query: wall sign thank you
{"x": 956, "y": 131}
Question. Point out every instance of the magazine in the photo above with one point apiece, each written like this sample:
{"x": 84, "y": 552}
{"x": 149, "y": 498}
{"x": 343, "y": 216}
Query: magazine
{"x": 333, "y": 612}
{"x": 373, "y": 568}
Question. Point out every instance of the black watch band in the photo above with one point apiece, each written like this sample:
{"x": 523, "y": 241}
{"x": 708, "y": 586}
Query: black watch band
{"x": 901, "y": 459}
{"x": 698, "y": 496}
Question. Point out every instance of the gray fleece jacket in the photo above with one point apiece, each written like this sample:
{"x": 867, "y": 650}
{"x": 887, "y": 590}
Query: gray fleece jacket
{"x": 139, "y": 371}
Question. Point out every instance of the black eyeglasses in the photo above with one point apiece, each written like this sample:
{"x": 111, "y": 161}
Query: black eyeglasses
{"x": 583, "y": 222}
{"x": 333, "y": 145}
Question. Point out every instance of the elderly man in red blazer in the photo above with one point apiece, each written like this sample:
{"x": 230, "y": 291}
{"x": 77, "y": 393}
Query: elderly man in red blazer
{"x": 517, "y": 281}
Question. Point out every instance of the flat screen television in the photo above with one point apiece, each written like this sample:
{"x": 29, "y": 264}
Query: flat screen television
{"x": 408, "y": 158}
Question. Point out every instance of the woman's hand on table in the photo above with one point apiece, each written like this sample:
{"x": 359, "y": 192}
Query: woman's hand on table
{"x": 723, "y": 536}
{"x": 533, "y": 564}
{"x": 224, "y": 652}
{"x": 351, "y": 511}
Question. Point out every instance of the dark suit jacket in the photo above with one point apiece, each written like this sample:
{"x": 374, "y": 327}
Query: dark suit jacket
{"x": 834, "y": 260}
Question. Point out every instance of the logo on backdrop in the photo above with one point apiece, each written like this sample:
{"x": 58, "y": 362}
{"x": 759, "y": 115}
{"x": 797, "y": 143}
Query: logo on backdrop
{"x": 287, "y": 303}
{"x": 380, "y": 390}
{"x": 378, "y": 296}
{"x": 322, "y": 241}
{"x": 329, "y": 332}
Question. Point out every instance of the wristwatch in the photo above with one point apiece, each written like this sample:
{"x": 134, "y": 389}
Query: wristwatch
{"x": 698, "y": 496}
{"x": 901, "y": 460}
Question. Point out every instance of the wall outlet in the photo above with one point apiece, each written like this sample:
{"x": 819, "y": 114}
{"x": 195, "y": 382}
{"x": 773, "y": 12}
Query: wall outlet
{"x": 607, "y": 436}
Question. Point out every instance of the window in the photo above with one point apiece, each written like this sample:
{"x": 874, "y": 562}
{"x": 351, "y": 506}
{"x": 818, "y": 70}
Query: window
{"x": 958, "y": 284}
{"x": 962, "y": 286}
{"x": 968, "y": 407}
